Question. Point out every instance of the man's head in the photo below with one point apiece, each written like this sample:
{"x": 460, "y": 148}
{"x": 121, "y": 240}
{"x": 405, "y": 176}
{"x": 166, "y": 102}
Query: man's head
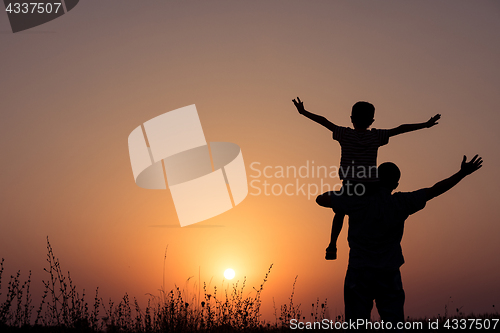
{"x": 388, "y": 175}
{"x": 362, "y": 115}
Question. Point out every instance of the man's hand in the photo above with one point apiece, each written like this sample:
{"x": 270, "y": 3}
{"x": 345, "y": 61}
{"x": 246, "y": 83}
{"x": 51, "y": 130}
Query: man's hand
{"x": 433, "y": 121}
{"x": 466, "y": 169}
{"x": 473, "y": 165}
{"x": 299, "y": 105}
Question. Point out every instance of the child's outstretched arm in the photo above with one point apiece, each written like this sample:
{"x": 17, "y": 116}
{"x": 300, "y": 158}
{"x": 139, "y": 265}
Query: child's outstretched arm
{"x": 314, "y": 117}
{"x": 413, "y": 127}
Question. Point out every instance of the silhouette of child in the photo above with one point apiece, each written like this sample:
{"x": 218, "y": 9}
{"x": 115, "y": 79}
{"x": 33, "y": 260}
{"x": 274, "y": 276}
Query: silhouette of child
{"x": 358, "y": 161}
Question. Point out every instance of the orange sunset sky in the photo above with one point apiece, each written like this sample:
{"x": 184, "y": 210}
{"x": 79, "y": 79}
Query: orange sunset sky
{"x": 73, "y": 89}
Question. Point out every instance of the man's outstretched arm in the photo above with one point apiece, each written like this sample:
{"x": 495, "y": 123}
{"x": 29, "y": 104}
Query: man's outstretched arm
{"x": 314, "y": 117}
{"x": 413, "y": 127}
{"x": 466, "y": 169}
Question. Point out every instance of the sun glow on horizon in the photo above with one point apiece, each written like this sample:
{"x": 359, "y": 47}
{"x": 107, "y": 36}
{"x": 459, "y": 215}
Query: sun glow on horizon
{"x": 229, "y": 273}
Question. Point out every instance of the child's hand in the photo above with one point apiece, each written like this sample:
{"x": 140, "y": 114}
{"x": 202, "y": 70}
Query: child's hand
{"x": 299, "y": 105}
{"x": 433, "y": 121}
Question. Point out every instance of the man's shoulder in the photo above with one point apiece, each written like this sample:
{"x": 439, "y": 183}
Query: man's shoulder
{"x": 347, "y": 203}
{"x": 411, "y": 201}
{"x": 420, "y": 192}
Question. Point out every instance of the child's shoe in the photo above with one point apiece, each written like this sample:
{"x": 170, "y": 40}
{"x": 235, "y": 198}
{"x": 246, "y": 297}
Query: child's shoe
{"x": 331, "y": 253}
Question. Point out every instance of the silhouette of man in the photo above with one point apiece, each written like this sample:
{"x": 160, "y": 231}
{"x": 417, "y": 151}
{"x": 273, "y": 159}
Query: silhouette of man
{"x": 376, "y": 224}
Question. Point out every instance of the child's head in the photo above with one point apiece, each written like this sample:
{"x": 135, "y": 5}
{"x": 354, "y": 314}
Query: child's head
{"x": 362, "y": 115}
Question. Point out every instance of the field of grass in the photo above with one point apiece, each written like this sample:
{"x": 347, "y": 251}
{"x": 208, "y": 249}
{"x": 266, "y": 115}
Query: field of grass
{"x": 63, "y": 309}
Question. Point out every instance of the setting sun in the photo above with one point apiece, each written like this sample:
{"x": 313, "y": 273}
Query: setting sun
{"x": 229, "y": 274}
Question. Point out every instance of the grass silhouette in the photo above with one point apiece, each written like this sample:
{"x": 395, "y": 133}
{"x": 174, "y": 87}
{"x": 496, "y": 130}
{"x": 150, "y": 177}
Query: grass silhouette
{"x": 63, "y": 309}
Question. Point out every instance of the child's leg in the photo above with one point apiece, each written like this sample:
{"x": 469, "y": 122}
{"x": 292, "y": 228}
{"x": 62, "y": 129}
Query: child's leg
{"x": 331, "y": 250}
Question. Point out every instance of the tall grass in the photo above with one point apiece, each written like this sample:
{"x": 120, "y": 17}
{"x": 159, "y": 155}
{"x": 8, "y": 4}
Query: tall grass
{"x": 63, "y": 308}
